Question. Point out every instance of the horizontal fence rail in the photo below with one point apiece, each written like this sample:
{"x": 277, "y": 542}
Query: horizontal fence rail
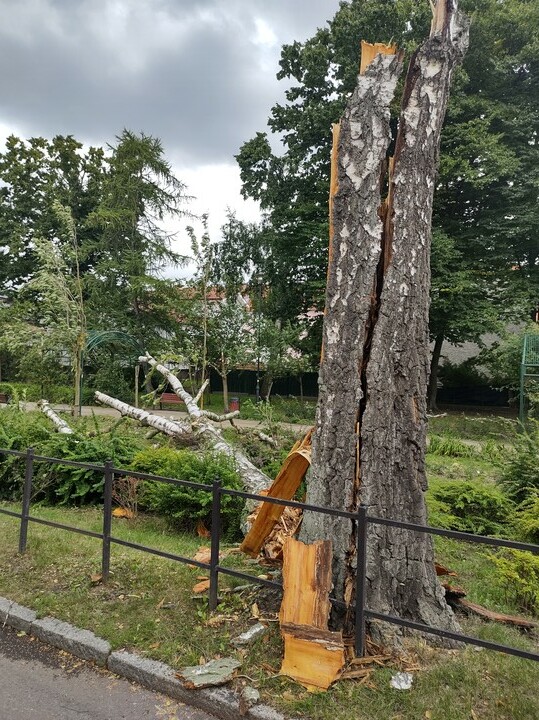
{"x": 361, "y": 518}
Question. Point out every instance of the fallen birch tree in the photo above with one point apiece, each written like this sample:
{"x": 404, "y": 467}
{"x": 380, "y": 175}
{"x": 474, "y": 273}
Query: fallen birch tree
{"x": 370, "y": 436}
{"x": 253, "y": 479}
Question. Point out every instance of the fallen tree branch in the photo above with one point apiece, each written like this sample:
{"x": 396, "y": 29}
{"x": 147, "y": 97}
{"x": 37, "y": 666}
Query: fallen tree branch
{"x": 266, "y": 438}
{"x": 200, "y": 393}
{"x": 253, "y": 478}
{"x": 220, "y": 418}
{"x": 169, "y": 427}
{"x": 61, "y": 425}
{"x": 459, "y": 603}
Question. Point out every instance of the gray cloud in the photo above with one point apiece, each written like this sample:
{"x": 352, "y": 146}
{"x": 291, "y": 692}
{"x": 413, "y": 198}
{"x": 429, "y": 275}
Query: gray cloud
{"x": 199, "y": 74}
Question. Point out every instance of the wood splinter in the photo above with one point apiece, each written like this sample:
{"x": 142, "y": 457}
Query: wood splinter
{"x": 313, "y": 656}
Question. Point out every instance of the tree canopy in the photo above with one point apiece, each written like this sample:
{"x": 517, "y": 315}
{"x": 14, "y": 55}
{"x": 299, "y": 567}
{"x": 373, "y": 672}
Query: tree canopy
{"x": 485, "y": 251}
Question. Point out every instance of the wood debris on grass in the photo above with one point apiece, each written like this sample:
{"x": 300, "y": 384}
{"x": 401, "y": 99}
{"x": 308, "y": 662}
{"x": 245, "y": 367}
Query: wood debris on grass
{"x": 456, "y": 595}
{"x": 122, "y": 512}
{"x": 285, "y": 485}
{"x": 467, "y": 606}
{"x": 313, "y": 655}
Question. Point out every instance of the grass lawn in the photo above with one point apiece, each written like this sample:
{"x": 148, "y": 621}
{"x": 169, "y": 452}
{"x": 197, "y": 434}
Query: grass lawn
{"x": 148, "y": 606}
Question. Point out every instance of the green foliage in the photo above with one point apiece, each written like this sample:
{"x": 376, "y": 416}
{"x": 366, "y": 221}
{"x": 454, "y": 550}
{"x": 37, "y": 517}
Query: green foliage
{"x": 449, "y": 446}
{"x": 48, "y": 390}
{"x": 58, "y": 483}
{"x": 185, "y": 506}
{"x": 473, "y": 507}
{"x": 519, "y": 573}
{"x": 465, "y": 374}
{"x": 527, "y": 519}
{"x": 18, "y": 431}
{"x": 110, "y": 379}
{"x": 503, "y": 359}
{"x": 520, "y": 469}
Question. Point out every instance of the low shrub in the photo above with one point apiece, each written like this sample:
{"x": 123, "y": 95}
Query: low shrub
{"x": 449, "y": 446}
{"x": 80, "y": 486}
{"x": 57, "y": 483}
{"x": 185, "y": 507}
{"x": 518, "y": 573}
{"x": 473, "y": 507}
{"x": 520, "y": 467}
{"x": 527, "y": 520}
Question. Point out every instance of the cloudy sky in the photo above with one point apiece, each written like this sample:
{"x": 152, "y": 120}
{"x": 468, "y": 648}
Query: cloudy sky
{"x": 199, "y": 74}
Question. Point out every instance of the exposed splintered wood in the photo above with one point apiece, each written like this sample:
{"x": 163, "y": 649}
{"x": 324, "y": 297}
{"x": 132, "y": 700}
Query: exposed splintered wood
{"x": 370, "y": 436}
{"x": 60, "y": 424}
{"x": 284, "y": 486}
{"x": 314, "y": 659}
{"x": 307, "y": 583}
{"x": 370, "y": 50}
{"x": 313, "y": 655}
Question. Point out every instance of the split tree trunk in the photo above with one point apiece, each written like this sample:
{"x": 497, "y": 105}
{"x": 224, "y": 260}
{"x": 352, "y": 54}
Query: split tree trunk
{"x": 370, "y": 436}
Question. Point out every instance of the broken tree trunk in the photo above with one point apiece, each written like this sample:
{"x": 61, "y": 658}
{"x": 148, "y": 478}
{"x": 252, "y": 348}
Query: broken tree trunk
{"x": 61, "y": 425}
{"x": 370, "y": 435}
{"x": 253, "y": 479}
{"x": 284, "y": 486}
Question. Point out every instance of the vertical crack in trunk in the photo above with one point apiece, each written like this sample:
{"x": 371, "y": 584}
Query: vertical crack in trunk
{"x": 370, "y": 435}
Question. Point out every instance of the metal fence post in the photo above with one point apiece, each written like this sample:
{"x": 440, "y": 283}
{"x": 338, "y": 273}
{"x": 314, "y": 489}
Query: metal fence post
{"x": 26, "y": 497}
{"x": 215, "y": 539}
{"x": 361, "y": 579}
{"x": 107, "y": 519}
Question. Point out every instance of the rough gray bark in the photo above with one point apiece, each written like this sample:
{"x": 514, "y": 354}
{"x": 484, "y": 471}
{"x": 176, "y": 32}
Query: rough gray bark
{"x": 370, "y": 436}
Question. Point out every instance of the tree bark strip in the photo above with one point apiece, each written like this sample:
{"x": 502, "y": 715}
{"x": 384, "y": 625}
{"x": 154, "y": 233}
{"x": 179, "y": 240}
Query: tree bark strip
{"x": 375, "y": 371}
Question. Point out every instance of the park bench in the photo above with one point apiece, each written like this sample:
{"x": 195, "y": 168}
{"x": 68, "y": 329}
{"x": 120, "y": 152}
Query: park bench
{"x": 169, "y": 399}
{"x": 4, "y": 398}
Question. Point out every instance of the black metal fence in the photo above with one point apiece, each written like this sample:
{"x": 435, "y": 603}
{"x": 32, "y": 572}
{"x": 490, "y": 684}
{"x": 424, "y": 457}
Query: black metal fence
{"x": 361, "y": 518}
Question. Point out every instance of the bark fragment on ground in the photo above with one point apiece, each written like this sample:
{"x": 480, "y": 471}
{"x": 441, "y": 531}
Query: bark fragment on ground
{"x": 313, "y": 655}
{"x": 369, "y": 441}
{"x": 284, "y": 486}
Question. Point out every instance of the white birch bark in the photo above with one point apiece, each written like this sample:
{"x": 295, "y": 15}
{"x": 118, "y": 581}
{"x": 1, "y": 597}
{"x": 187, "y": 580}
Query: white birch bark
{"x": 174, "y": 428}
{"x": 61, "y": 425}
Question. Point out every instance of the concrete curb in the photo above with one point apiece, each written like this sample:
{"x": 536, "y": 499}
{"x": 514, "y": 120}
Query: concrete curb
{"x": 220, "y": 701}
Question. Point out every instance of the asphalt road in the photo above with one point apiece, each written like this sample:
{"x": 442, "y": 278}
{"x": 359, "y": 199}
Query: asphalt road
{"x": 38, "y": 682}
